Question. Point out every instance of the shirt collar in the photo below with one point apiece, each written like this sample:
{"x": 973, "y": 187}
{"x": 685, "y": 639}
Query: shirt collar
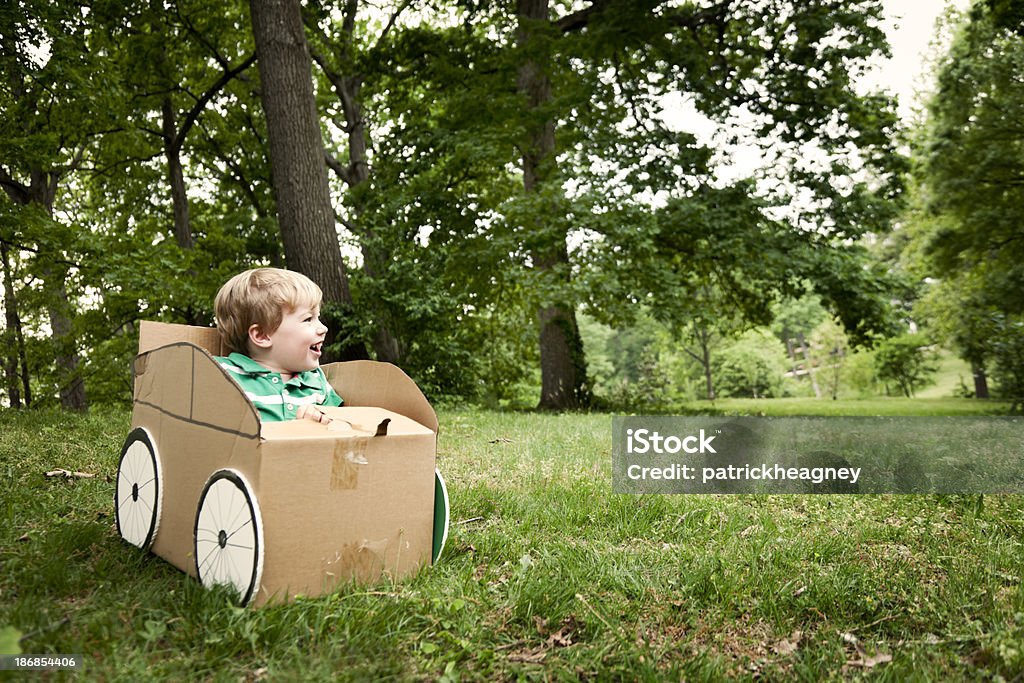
{"x": 309, "y": 378}
{"x": 248, "y": 364}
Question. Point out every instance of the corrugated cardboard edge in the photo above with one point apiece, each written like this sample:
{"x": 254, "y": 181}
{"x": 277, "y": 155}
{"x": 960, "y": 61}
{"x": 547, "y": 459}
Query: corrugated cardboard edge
{"x": 359, "y": 383}
{"x": 153, "y": 335}
{"x": 243, "y": 422}
{"x": 381, "y": 385}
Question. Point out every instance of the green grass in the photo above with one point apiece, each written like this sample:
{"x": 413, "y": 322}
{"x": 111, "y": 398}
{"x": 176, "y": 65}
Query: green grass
{"x": 865, "y": 406}
{"x": 951, "y": 373}
{"x": 547, "y": 576}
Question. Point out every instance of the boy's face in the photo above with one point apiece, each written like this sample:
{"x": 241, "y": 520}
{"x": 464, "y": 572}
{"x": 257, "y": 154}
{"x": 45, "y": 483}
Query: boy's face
{"x": 296, "y": 344}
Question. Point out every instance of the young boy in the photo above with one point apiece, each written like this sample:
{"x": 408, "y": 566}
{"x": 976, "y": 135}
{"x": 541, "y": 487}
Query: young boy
{"x": 269, "y": 320}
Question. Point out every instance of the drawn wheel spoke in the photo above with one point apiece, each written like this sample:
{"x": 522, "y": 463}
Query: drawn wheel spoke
{"x": 226, "y": 508}
{"x": 138, "y": 492}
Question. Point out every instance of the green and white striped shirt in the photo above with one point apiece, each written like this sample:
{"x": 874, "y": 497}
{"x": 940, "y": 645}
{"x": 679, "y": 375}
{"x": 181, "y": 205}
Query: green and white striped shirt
{"x": 275, "y": 399}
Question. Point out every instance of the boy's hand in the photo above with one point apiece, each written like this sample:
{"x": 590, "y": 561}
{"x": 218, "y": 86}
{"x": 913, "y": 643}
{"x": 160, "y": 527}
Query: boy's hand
{"x": 311, "y": 412}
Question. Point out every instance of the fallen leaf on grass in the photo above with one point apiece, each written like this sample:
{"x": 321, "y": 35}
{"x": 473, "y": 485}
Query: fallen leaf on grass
{"x": 528, "y": 657}
{"x": 563, "y": 636}
{"x": 870, "y": 662}
{"x": 67, "y": 474}
{"x": 256, "y": 675}
{"x": 863, "y": 661}
{"x": 789, "y": 646}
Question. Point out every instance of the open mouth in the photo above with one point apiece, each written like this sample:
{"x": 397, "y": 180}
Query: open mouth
{"x": 317, "y": 348}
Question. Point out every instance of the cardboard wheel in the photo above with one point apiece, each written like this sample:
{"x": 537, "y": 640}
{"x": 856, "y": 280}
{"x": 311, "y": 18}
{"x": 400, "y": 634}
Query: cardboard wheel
{"x": 442, "y": 511}
{"x": 229, "y": 535}
{"x": 138, "y": 494}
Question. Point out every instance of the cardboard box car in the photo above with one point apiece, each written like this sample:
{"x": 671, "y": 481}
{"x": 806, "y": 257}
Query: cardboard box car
{"x": 276, "y": 509}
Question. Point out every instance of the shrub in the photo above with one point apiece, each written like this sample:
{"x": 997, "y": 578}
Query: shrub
{"x": 906, "y": 360}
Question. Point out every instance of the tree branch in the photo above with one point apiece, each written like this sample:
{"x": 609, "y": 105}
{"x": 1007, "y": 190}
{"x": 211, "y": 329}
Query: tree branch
{"x": 340, "y": 170}
{"x": 204, "y": 99}
{"x": 579, "y": 20}
{"x": 391, "y": 22}
{"x": 18, "y": 192}
{"x": 23, "y": 247}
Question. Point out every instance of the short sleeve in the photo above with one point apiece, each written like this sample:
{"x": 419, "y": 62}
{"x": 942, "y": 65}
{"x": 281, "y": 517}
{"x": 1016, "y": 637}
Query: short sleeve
{"x": 331, "y": 397}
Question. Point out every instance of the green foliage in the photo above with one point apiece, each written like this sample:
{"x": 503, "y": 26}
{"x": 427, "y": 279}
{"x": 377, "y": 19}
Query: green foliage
{"x": 752, "y": 366}
{"x": 860, "y": 374}
{"x": 452, "y": 255}
{"x": 829, "y": 348}
{"x": 966, "y": 224}
{"x": 907, "y": 360}
{"x": 1008, "y": 358}
{"x": 793, "y": 318}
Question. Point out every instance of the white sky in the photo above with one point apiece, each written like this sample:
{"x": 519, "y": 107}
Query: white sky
{"x": 911, "y": 27}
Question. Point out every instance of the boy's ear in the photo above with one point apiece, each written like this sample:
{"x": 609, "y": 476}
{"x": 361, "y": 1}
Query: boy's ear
{"x": 258, "y": 337}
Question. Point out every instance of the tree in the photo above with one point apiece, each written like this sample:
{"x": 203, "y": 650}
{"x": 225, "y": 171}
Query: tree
{"x": 907, "y": 360}
{"x": 498, "y": 166}
{"x": 606, "y": 81}
{"x": 967, "y": 243}
{"x": 52, "y": 103}
{"x": 793, "y": 321}
{"x": 335, "y": 47}
{"x": 16, "y": 373}
{"x": 586, "y": 86}
{"x": 957, "y": 309}
{"x": 161, "y": 49}
{"x": 829, "y": 346}
{"x": 752, "y": 366}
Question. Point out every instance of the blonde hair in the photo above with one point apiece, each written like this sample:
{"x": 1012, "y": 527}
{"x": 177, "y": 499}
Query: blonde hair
{"x": 260, "y": 297}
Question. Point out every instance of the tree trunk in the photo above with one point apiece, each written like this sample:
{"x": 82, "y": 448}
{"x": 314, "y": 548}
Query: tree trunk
{"x": 11, "y": 330}
{"x": 176, "y": 177}
{"x": 72, "y": 388}
{"x": 705, "y": 351}
{"x": 562, "y": 361}
{"x": 42, "y": 191}
{"x": 304, "y": 210}
{"x": 980, "y": 380}
{"x": 386, "y": 346}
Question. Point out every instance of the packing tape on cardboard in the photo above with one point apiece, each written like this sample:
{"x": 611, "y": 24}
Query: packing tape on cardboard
{"x": 349, "y": 456}
{"x": 363, "y": 560}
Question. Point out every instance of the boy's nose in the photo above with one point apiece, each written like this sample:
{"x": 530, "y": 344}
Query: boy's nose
{"x": 321, "y": 328}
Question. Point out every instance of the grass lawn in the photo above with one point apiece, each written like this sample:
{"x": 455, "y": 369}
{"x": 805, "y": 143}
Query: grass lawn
{"x": 864, "y": 406}
{"x": 951, "y": 374}
{"x": 547, "y": 575}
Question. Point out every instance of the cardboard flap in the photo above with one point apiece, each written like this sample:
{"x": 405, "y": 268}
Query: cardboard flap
{"x": 380, "y": 385}
{"x": 348, "y": 422}
{"x": 183, "y": 381}
{"x": 153, "y": 335}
